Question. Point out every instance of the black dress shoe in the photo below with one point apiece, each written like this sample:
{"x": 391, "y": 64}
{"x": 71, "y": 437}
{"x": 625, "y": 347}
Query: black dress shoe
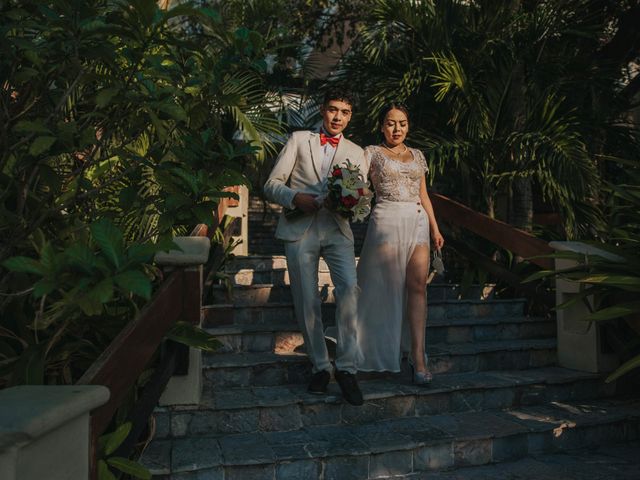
{"x": 349, "y": 386}
{"x": 319, "y": 382}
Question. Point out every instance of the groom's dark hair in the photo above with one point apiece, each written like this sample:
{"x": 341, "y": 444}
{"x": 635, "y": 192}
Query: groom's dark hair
{"x": 340, "y": 94}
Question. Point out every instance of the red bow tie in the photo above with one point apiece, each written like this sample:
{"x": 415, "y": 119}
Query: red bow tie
{"x": 333, "y": 141}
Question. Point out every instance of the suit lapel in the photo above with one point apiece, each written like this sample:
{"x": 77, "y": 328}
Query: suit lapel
{"x": 315, "y": 150}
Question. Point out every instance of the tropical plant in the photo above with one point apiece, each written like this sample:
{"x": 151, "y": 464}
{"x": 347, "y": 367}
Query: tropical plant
{"x": 609, "y": 280}
{"x": 108, "y": 462}
{"x": 120, "y": 125}
{"x": 506, "y": 97}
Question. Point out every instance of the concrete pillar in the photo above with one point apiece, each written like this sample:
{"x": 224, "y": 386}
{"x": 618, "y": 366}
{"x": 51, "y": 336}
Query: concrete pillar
{"x": 187, "y": 389}
{"x": 580, "y": 345}
{"x": 241, "y": 210}
{"x": 44, "y": 431}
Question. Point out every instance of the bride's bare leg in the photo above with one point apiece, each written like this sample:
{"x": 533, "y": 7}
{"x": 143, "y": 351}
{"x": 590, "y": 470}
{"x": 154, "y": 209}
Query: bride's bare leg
{"x": 417, "y": 271}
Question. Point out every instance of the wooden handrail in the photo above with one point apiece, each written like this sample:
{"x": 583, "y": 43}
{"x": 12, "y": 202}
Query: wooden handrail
{"x": 125, "y": 358}
{"x": 179, "y": 297}
{"x": 500, "y": 233}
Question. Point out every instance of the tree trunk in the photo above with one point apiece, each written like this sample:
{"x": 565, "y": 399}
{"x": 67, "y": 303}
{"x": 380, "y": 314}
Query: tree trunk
{"x": 522, "y": 203}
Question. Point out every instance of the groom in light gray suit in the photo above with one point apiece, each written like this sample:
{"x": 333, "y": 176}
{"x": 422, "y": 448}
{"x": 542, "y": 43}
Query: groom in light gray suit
{"x": 298, "y": 182}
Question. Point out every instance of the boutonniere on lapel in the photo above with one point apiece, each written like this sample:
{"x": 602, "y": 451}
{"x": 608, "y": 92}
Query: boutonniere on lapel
{"x": 349, "y": 193}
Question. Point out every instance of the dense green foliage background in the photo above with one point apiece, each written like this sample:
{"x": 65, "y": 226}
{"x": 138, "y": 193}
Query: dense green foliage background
{"x": 121, "y": 122}
{"x": 120, "y": 125}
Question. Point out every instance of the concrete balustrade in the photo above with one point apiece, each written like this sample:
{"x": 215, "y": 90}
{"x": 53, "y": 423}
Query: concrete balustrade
{"x": 44, "y": 431}
{"x": 580, "y": 342}
{"x": 187, "y": 389}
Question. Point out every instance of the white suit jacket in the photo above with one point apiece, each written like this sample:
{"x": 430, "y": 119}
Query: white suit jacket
{"x": 298, "y": 169}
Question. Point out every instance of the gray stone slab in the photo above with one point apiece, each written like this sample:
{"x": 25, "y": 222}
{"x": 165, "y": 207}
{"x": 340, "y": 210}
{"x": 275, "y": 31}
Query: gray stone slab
{"x": 208, "y": 474}
{"x": 434, "y": 457}
{"x": 346, "y": 468}
{"x": 390, "y": 464}
{"x": 475, "y": 451}
{"x": 190, "y": 454}
{"x": 280, "y": 418}
{"x": 474, "y": 425}
{"x": 157, "y": 457}
{"x": 585, "y": 464}
{"x": 335, "y": 441}
{"x": 298, "y": 470}
{"x": 162, "y": 424}
{"x": 232, "y": 398}
{"x": 246, "y": 449}
{"x": 249, "y": 472}
{"x": 509, "y": 448}
{"x": 225, "y": 421}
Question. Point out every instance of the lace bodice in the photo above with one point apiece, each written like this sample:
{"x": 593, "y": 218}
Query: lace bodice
{"x": 394, "y": 180}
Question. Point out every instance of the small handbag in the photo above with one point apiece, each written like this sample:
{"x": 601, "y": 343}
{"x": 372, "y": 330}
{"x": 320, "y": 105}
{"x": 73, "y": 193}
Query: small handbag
{"x": 437, "y": 265}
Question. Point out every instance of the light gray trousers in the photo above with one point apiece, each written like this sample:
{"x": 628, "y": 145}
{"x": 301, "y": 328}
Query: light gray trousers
{"x": 324, "y": 238}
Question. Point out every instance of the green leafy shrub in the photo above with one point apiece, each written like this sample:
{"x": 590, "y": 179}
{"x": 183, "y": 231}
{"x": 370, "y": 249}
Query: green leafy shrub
{"x": 120, "y": 125}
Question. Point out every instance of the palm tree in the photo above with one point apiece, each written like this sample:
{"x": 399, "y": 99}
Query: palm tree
{"x": 501, "y": 95}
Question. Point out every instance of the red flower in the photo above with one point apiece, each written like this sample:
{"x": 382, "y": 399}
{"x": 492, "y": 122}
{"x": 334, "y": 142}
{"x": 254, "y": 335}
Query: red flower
{"x": 349, "y": 201}
{"x": 337, "y": 173}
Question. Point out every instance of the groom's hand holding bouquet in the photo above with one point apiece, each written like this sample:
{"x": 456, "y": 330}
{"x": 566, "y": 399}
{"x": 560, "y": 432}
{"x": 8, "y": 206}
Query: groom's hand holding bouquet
{"x": 349, "y": 193}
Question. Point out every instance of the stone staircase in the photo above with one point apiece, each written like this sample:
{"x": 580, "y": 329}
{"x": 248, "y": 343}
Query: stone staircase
{"x": 497, "y": 395}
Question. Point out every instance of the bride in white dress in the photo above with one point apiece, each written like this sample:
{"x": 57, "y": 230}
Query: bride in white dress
{"x": 394, "y": 263}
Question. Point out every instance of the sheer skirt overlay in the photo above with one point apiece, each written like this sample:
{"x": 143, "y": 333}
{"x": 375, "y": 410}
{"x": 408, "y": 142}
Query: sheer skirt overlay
{"x": 395, "y": 229}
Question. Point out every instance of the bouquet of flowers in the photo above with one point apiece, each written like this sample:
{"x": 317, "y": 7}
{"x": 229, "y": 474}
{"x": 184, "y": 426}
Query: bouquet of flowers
{"x": 349, "y": 193}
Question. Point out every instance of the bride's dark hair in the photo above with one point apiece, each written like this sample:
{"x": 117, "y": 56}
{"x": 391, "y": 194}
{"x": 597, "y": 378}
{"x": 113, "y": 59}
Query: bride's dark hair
{"x": 392, "y": 106}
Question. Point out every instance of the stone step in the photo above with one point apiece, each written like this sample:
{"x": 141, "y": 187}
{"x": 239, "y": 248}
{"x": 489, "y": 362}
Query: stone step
{"x": 263, "y": 293}
{"x": 283, "y": 314}
{"x": 290, "y": 407}
{"x": 617, "y": 461}
{"x": 259, "y": 249}
{"x": 286, "y": 338}
{"x": 399, "y": 447}
{"x": 271, "y": 269}
{"x": 269, "y": 369}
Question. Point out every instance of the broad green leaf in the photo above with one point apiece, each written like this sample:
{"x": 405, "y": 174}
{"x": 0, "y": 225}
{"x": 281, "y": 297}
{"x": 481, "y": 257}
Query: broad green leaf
{"x": 41, "y": 145}
{"x": 141, "y": 253}
{"x": 80, "y": 256}
{"x": 24, "y": 264}
{"x": 134, "y": 281}
{"x": 624, "y": 368}
{"x": 615, "y": 280}
{"x": 192, "y": 336}
{"x": 114, "y": 439}
{"x": 92, "y": 302}
{"x": 103, "y": 291}
{"x": 130, "y": 467}
{"x": 103, "y": 471}
{"x": 44, "y": 287}
{"x": 160, "y": 129}
{"x": 104, "y": 96}
{"x": 616, "y": 311}
{"x": 539, "y": 275}
{"x": 211, "y": 13}
{"x": 174, "y": 110}
{"x": 109, "y": 239}
{"x": 26, "y": 126}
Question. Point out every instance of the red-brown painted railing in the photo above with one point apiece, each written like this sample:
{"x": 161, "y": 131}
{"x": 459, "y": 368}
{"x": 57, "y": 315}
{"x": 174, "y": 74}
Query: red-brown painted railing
{"x": 120, "y": 365}
{"x": 502, "y": 234}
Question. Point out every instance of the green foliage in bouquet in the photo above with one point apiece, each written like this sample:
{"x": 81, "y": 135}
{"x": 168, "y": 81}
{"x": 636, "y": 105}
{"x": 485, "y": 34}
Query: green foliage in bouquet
{"x": 349, "y": 193}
